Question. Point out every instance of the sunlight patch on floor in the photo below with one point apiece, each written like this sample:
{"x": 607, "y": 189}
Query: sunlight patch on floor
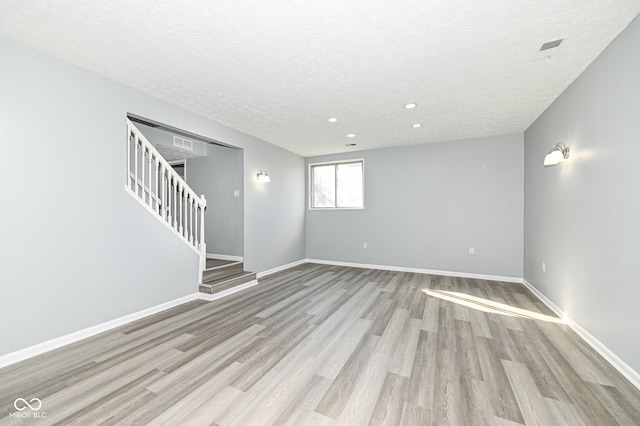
{"x": 490, "y": 306}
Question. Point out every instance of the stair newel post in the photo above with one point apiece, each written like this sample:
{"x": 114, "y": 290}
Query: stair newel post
{"x": 203, "y": 245}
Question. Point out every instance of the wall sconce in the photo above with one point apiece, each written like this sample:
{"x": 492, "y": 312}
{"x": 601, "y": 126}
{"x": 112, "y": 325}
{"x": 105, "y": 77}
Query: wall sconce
{"x": 558, "y": 154}
{"x": 263, "y": 176}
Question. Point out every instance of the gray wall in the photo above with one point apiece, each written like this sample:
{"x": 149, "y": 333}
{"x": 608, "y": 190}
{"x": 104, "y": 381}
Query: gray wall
{"x": 426, "y": 205}
{"x": 582, "y": 217}
{"x": 216, "y": 176}
{"x": 79, "y": 250}
{"x": 273, "y": 212}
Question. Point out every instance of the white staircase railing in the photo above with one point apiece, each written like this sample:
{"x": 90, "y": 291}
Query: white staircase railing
{"x": 153, "y": 182}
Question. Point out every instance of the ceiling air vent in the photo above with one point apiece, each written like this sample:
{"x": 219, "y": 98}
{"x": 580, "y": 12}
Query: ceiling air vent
{"x": 183, "y": 143}
{"x": 549, "y": 48}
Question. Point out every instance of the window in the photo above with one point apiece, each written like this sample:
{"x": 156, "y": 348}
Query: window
{"x": 337, "y": 185}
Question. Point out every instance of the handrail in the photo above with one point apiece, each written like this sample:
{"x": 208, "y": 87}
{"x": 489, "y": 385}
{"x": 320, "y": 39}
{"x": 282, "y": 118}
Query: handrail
{"x": 152, "y": 180}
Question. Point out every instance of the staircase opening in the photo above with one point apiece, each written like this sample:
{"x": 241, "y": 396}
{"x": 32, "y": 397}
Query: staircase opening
{"x": 205, "y": 167}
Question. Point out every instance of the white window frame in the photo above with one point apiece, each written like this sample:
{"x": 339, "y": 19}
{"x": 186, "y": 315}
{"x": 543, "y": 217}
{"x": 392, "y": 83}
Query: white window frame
{"x": 327, "y": 163}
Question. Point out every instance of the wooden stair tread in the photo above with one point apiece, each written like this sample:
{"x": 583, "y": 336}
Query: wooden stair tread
{"x": 226, "y": 277}
{"x": 220, "y": 272}
{"x": 233, "y": 279}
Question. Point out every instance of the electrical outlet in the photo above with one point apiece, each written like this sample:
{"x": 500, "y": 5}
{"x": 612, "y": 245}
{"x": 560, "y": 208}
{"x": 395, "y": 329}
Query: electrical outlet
{"x": 544, "y": 267}
{"x": 472, "y": 250}
{"x": 236, "y": 193}
{"x": 364, "y": 245}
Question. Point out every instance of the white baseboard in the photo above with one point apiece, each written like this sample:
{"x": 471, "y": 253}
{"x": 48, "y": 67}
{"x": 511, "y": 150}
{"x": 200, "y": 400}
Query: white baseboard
{"x": 628, "y": 372}
{"x": 220, "y": 295}
{"x": 49, "y": 345}
{"x": 40, "y": 348}
{"x": 225, "y": 257}
{"x": 419, "y": 271}
{"x": 624, "y": 368}
{"x": 26, "y": 353}
{"x": 281, "y": 268}
{"x": 555, "y": 308}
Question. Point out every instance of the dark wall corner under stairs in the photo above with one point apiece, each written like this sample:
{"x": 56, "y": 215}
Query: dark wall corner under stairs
{"x": 224, "y": 275}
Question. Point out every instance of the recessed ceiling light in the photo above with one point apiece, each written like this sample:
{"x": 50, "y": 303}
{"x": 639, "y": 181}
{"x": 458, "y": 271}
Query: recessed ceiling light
{"x": 551, "y": 44}
{"x": 333, "y": 120}
{"x": 548, "y": 49}
{"x": 351, "y": 135}
{"x": 349, "y": 144}
{"x": 415, "y": 126}
{"x": 410, "y": 106}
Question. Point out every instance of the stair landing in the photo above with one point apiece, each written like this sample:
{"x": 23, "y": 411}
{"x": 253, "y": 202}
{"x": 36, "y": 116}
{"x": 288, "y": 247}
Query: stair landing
{"x": 222, "y": 275}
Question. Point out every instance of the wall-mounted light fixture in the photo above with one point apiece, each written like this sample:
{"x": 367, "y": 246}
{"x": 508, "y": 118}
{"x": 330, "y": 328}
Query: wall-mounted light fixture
{"x": 263, "y": 176}
{"x": 558, "y": 154}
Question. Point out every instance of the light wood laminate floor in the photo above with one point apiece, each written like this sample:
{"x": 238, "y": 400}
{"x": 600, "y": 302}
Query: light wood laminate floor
{"x": 325, "y": 345}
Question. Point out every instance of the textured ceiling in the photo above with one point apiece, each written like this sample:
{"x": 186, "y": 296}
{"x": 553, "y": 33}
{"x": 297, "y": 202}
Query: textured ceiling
{"x": 171, "y": 154}
{"x": 278, "y": 69}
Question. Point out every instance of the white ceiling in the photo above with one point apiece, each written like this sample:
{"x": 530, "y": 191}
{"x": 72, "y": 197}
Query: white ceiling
{"x": 278, "y": 69}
